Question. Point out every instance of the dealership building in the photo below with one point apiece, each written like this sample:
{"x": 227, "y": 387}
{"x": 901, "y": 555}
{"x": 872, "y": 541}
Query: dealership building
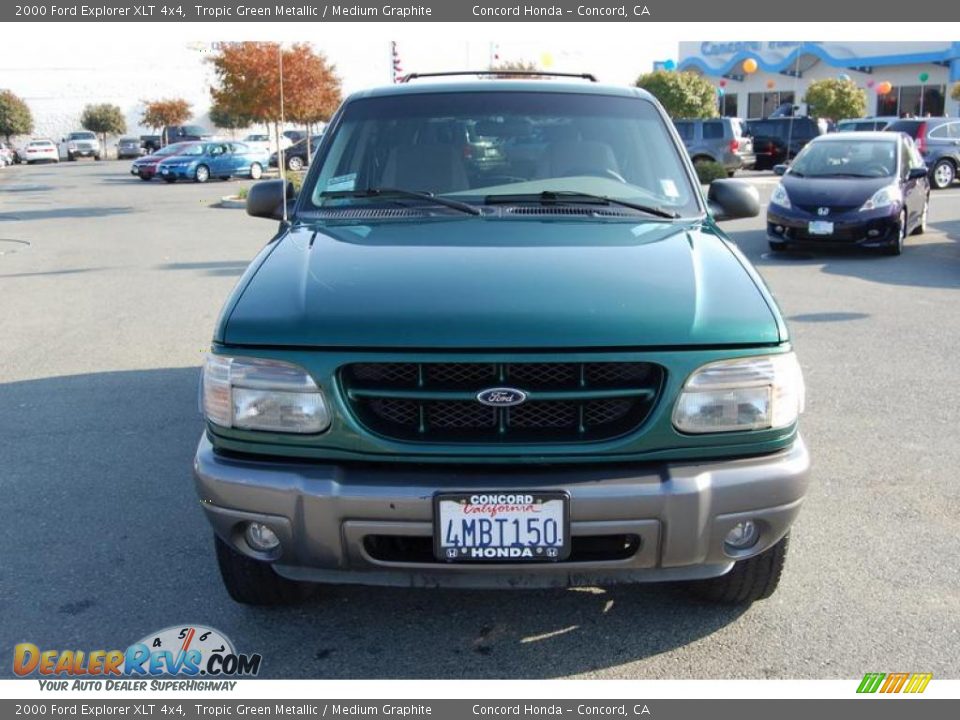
{"x": 920, "y": 73}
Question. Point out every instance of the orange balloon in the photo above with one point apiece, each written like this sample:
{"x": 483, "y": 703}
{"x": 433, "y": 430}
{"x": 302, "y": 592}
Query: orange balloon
{"x": 770, "y": 84}
{"x": 884, "y": 87}
{"x": 749, "y": 66}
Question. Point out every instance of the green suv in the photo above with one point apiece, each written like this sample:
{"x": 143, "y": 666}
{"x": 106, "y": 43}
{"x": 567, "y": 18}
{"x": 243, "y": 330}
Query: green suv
{"x": 530, "y": 361}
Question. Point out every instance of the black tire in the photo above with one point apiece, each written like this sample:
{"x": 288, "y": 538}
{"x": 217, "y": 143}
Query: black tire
{"x": 252, "y": 582}
{"x": 144, "y": 178}
{"x": 169, "y": 179}
{"x": 921, "y": 227}
{"x": 776, "y": 246}
{"x": 943, "y": 174}
{"x": 256, "y": 171}
{"x": 731, "y": 173}
{"x": 201, "y": 174}
{"x": 96, "y": 158}
{"x": 295, "y": 164}
{"x": 753, "y": 579}
{"x": 71, "y": 158}
{"x": 897, "y": 247}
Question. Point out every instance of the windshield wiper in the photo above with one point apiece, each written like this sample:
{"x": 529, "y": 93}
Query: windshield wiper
{"x": 548, "y": 197}
{"x": 400, "y": 193}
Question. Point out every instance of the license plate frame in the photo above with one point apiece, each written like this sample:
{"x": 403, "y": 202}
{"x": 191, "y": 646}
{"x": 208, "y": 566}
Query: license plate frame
{"x": 512, "y": 553}
{"x": 820, "y": 227}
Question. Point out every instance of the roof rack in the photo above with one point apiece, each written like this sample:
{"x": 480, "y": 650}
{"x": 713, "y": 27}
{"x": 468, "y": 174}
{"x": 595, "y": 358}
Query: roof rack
{"x": 508, "y": 73}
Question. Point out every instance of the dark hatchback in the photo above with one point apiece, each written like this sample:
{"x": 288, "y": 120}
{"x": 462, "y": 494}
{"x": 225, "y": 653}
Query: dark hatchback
{"x": 867, "y": 189}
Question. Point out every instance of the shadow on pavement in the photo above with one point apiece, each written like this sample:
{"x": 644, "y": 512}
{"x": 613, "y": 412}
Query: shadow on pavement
{"x": 104, "y": 542}
{"x": 923, "y": 264}
{"x": 223, "y": 268}
{"x": 59, "y": 213}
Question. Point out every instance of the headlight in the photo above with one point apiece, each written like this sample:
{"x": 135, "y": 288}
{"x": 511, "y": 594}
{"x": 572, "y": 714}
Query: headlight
{"x": 270, "y": 395}
{"x": 754, "y": 393}
{"x": 883, "y": 198}
{"x": 780, "y": 197}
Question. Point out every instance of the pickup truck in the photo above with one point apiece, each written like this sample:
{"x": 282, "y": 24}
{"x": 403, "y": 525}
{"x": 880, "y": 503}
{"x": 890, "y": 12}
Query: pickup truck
{"x": 547, "y": 371}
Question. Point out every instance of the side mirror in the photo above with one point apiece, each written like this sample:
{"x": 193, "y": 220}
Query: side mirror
{"x": 780, "y": 169}
{"x": 917, "y": 173}
{"x": 732, "y": 199}
{"x": 266, "y": 199}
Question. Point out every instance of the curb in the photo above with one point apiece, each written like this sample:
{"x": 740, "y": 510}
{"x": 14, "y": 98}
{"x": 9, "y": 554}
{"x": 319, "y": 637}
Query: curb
{"x": 232, "y": 202}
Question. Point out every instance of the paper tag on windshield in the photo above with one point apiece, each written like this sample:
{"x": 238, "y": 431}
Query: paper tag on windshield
{"x": 341, "y": 182}
{"x": 669, "y": 188}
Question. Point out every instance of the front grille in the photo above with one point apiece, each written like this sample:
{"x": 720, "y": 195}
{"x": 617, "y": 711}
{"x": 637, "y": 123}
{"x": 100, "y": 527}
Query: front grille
{"x": 566, "y": 402}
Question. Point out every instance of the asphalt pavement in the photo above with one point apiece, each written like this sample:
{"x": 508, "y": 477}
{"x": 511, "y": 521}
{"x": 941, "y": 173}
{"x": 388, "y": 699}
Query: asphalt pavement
{"x": 109, "y": 289}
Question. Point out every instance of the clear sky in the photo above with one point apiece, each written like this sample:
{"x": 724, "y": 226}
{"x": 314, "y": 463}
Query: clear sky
{"x": 58, "y": 78}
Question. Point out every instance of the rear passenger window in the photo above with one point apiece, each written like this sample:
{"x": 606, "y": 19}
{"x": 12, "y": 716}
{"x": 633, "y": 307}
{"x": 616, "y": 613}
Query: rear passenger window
{"x": 713, "y": 130}
{"x": 685, "y": 130}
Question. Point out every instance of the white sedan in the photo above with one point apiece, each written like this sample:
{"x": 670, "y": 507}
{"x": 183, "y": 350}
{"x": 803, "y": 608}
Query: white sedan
{"x": 41, "y": 151}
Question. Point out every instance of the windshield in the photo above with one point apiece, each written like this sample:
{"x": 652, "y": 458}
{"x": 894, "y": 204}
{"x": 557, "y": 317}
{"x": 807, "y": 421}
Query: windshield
{"x": 82, "y": 136}
{"x": 855, "y": 157}
{"x": 481, "y": 146}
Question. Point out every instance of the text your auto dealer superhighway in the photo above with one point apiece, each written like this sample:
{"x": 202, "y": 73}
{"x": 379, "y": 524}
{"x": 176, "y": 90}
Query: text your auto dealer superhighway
{"x": 556, "y": 11}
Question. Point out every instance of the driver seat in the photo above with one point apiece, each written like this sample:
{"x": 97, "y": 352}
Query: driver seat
{"x": 577, "y": 157}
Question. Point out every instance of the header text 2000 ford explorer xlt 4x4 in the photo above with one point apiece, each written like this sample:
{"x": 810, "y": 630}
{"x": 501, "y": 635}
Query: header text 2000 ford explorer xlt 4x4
{"x": 531, "y": 361}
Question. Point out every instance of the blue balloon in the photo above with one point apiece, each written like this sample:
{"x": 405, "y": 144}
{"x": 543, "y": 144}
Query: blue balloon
{"x": 670, "y": 65}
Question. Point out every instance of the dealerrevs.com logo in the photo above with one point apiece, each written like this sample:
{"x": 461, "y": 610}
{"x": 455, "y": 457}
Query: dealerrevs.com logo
{"x": 182, "y": 651}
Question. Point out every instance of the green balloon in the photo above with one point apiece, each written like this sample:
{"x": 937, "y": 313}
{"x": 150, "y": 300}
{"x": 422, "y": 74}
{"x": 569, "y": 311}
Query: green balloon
{"x": 924, "y": 77}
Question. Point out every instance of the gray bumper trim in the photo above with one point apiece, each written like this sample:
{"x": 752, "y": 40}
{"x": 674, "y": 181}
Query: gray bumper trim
{"x": 322, "y": 512}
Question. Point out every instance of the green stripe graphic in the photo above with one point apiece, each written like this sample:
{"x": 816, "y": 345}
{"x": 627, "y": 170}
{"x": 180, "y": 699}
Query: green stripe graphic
{"x": 871, "y": 682}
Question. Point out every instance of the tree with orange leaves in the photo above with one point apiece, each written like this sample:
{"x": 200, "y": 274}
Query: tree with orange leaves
{"x": 248, "y": 83}
{"x": 158, "y": 114}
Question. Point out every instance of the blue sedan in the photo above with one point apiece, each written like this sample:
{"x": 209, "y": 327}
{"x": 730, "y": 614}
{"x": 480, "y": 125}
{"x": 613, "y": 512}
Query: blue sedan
{"x": 203, "y": 160}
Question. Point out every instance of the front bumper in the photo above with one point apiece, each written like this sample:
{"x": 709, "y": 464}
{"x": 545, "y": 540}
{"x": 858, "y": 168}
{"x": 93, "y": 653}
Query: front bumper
{"x": 878, "y": 228}
{"x": 181, "y": 172}
{"x": 326, "y": 515}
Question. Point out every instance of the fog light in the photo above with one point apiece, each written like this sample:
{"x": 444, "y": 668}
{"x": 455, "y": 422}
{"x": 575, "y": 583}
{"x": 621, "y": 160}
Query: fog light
{"x": 778, "y": 229}
{"x": 261, "y": 537}
{"x": 743, "y": 535}
{"x": 873, "y": 233}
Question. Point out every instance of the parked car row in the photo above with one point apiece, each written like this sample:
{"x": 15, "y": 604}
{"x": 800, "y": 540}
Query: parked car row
{"x": 199, "y": 161}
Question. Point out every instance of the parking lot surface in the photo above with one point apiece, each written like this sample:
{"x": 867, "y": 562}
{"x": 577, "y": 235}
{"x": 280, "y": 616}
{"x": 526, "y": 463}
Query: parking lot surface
{"x": 109, "y": 289}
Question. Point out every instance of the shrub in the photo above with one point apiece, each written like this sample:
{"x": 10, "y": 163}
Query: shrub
{"x": 709, "y": 170}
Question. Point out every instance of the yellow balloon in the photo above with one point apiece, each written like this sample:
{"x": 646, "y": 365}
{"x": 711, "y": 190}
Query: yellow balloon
{"x": 546, "y": 60}
{"x": 749, "y": 65}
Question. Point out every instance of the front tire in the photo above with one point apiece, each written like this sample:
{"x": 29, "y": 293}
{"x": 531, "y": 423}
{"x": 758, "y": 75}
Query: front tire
{"x": 749, "y": 580}
{"x": 170, "y": 180}
{"x": 294, "y": 163}
{"x": 897, "y": 247}
{"x": 921, "y": 227}
{"x": 253, "y": 582}
{"x": 201, "y": 174}
{"x": 943, "y": 174}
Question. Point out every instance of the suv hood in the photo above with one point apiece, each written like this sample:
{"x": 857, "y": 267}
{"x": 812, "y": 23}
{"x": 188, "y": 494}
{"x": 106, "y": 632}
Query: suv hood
{"x": 483, "y": 283}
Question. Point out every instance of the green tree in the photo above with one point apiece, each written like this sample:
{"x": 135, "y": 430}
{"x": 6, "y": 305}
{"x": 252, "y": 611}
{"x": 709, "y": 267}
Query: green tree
{"x": 225, "y": 119}
{"x": 103, "y": 119}
{"x": 15, "y": 117}
{"x": 835, "y": 99}
{"x": 682, "y": 94}
{"x": 514, "y": 69}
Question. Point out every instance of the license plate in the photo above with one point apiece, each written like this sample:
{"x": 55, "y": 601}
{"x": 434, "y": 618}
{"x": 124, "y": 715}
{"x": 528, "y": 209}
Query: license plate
{"x": 502, "y": 527}
{"x": 820, "y": 227}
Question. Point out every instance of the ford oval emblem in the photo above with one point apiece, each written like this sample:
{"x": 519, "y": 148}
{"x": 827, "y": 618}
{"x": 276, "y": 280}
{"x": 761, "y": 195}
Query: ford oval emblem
{"x": 501, "y": 397}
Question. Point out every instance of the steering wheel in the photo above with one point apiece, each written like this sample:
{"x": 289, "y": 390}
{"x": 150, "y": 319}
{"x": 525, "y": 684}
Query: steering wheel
{"x": 596, "y": 172}
{"x": 878, "y": 170}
